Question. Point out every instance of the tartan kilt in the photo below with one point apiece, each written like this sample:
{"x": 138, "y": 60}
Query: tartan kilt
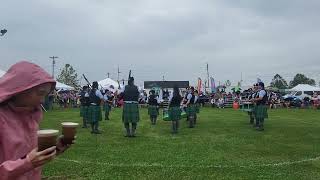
{"x": 81, "y": 111}
{"x": 94, "y": 114}
{"x": 261, "y": 112}
{"x": 249, "y": 109}
{"x": 153, "y": 111}
{"x": 174, "y": 113}
{"x": 197, "y": 106}
{"x": 84, "y": 112}
{"x": 254, "y": 108}
{"x": 107, "y": 107}
{"x": 191, "y": 110}
{"x": 130, "y": 113}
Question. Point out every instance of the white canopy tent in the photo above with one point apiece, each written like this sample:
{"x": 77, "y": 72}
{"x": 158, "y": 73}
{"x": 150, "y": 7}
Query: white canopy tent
{"x": 60, "y": 86}
{"x": 110, "y": 84}
{"x": 2, "y": 73}
{"x": 305, "y": 87}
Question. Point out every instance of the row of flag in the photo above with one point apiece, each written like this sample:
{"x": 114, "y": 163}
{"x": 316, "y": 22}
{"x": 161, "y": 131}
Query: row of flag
{"x": 201, "y": 88}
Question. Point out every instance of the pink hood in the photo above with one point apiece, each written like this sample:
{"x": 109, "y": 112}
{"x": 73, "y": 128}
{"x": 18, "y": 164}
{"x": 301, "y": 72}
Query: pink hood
{"x": 20, "y": 77}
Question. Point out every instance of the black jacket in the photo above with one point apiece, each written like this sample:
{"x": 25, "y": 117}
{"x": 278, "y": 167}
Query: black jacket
{"x": 131, "y": 93}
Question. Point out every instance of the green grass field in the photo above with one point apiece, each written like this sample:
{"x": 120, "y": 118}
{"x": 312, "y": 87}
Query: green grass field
{"x": 222, "y": 146}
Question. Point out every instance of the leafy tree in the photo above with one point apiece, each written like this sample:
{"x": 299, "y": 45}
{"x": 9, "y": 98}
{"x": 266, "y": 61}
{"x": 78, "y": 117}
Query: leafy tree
{"x": 302, "y": 79}
{"x": 69, "y": 76}
{"x": 279, "y": 82}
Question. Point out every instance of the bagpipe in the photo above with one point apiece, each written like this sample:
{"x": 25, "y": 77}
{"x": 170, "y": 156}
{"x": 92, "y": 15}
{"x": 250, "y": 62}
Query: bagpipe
{"x": 88, "y": 82}
{"x": 102, "y": 90}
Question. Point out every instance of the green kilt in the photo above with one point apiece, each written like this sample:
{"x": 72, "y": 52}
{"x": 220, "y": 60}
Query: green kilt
{"x": 261, "y": 112}
{"x": 254, "y": 109}
{"x": 247, "y": 107}
{"x": 94, "y": 114}
{"x": 130, "y": 113}
{"x": 153, "y": 111}
{"x": 174, "y": 113}
{"x": 107, "y": 108}
{"x": 191, "y": 110}
{"x": 197, "y": 106}
{"x": 81, "y": 111}
{"x": 84, "y": 112}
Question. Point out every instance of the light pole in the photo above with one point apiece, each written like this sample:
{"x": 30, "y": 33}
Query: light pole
{"x": 53, "y": 64}
{"x": 118, "y": 73}
{"x": 208, "y": 80}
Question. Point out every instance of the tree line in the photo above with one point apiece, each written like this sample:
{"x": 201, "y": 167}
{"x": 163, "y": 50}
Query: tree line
{"x": 69, "y": 76}
{"x": 280, "y": 83}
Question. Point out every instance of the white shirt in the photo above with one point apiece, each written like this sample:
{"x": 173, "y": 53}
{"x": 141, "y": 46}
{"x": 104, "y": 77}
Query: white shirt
{"x": 262, "y": 93}
{"x": 170, "y": 98}
{"x": 189, "y": 96}
{"x": 98, "y": 93}
{"x": 105, "y": 97}
{"x": 196, "y": 99}
{"x": 221, "y": 101}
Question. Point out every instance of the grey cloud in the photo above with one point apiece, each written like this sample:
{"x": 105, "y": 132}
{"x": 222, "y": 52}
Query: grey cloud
{"x": 170, "y": 38}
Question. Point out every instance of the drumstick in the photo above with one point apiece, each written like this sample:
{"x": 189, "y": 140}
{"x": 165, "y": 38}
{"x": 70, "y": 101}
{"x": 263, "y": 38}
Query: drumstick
{"x": 43, "y": 108}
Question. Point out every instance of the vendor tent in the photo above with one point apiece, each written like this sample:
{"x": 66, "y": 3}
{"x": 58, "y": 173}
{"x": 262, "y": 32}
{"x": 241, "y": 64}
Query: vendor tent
{"x": 109, "y": 84}
{"x": 61, "y": 86}
{"x": 305, "y": 87}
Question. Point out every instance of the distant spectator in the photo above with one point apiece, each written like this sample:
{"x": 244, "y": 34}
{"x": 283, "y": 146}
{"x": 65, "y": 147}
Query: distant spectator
{"x": 315, "y": 100}
{"x": 220, "y": 103}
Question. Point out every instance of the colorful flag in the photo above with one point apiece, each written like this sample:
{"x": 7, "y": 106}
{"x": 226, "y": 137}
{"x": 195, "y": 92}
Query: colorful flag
{"x": 204, "y": 88}
{"x": 213, "y": 85}
{"x": 199, "y": 85}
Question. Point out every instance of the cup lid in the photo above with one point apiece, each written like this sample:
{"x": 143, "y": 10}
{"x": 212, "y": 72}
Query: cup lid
{"x": 47, "y": 133}
{"x": 69, "y": 124}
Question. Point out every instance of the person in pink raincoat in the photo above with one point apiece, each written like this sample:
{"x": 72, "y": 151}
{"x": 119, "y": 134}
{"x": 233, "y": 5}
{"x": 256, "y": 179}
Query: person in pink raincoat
{"x": 22, "y": 90}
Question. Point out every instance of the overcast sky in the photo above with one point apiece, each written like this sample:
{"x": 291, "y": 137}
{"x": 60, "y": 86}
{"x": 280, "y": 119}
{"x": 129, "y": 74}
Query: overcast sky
{"x": 170, "y": 38}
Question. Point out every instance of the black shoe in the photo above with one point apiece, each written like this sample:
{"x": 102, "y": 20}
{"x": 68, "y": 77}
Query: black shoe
{"x": 97, "y": 132}
{"x": 260, "y": 128}
{"x": 174, "y": 132}
{"x": 128, "y": 134}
